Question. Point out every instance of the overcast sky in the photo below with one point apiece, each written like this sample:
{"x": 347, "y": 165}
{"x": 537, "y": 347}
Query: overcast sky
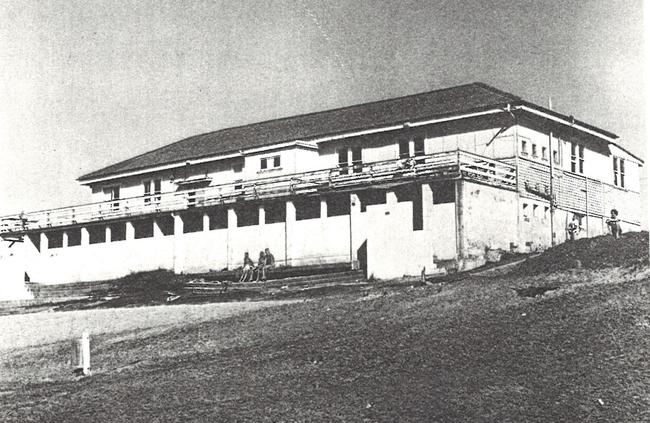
{"x": 84, "y": 84}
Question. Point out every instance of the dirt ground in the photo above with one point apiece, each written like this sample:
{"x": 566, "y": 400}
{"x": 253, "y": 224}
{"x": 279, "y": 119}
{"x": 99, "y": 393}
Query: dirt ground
{"x": 23, "y": 330}
{"x": 562, "y": 346}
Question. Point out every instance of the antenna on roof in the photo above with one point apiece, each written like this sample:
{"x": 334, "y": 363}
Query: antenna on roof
{"x": 550, "y": 103}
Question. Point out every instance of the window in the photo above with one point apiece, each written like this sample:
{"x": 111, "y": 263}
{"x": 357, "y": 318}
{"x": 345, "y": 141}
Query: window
{"x": 619, "y": 172}
{"x": 533, "y": 150}
{"x": 535, "y": 207}
{"x": 524, "y": 151}
{"x": 152, "y": 189}
{"x": 343, "y": 160}
{"x": 418, "y": 147}
{"x": 357, "y": 163}
{"x": 556, "y": 157}
{"x": 404, "y": 149}
{"x": 577, "y": 158}
{"x": 114, "y": 194}
{"x": 581, "y": 159}
{"x": 573, "y": 157}
{"x": 544, "y": 149}
{"x": 270, "y": 162}
{"x": 525, "y": 210}
{"x": 622, "y": 170}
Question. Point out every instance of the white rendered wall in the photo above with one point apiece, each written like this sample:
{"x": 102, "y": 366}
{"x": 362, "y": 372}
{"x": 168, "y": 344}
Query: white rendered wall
{"x": 13, "y": 261}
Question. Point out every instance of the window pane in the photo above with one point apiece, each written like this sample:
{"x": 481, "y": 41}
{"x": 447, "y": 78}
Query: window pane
{"x": 263, "y": 163}
{"x": 156, "y": 186}
{"x": 419, "y": 146}
{"x": 356, "y": 154}
{"x": 403, "y": 149}
{"x": 276, "y": 161}
{"x": 147, "y": 187}
{"x": 356, "y": 160}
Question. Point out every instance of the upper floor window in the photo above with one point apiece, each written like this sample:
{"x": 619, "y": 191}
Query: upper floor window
{"x": 619, "y": 172}
{"x": 357, "y": 163}
{"x": 544, "y": 150}
{"x": 152, "y": 189}
{"x": 114, "y": 193}
{"x": 343, "y": 159}
{"x": 556, "y": 157}
{"x": 577, "y": 158}
{"x": 404, "y": 149}
{"x": 533, "y": 150}
{"x": 524, "y": 148}
{"x": 270, "y": 162}
{"x": 418, "y": 148}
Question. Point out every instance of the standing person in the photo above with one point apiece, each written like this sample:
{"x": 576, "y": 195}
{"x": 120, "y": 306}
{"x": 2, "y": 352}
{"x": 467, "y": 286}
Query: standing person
{"x": 573, "y": 228}
{"x": 614, "y": 224}
{"x": 247, "y": 270}
{"x": 261, "y": 262}
{"x": 269, "y": 263}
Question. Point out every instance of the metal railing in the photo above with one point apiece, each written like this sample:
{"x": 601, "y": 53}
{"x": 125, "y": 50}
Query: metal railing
{"x": 433, "y": 166}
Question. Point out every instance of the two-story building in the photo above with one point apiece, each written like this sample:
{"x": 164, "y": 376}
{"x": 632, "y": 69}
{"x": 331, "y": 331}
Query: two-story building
{"x": 445, "y": 178}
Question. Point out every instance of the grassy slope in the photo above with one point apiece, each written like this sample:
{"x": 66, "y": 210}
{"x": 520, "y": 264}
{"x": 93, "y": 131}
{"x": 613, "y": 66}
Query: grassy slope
{"x": 468, "y": 351}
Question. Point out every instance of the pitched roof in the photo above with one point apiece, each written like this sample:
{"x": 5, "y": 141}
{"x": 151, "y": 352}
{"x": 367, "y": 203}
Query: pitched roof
{"x": 433, "y": 104}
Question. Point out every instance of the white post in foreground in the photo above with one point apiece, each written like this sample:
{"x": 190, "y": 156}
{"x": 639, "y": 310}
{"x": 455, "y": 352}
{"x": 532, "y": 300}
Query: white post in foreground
{"x": 81, "y": 354}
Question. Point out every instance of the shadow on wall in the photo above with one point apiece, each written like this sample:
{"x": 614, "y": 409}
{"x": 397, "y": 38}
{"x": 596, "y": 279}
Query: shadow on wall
{"x": 362, "y": 257}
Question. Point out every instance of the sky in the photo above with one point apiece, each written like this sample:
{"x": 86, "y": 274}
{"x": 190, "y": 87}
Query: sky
{"x": 84, "y": 84}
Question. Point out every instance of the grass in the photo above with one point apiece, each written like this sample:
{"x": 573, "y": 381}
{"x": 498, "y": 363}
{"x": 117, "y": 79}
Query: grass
{"x": 471, "y": 350}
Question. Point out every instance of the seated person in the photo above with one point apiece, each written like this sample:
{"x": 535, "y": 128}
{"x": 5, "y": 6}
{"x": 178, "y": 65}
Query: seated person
{"x": 261, "y": 261}
{"x": 247, "y": 270}
{"x": 269, "y": 263}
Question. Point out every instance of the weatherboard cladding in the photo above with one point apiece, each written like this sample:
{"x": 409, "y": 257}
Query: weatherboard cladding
{"x": 449, "y": 101}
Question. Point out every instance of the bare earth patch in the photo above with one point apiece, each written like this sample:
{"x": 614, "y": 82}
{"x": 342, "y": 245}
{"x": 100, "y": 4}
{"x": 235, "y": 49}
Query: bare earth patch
{"x": 22, "y": 330}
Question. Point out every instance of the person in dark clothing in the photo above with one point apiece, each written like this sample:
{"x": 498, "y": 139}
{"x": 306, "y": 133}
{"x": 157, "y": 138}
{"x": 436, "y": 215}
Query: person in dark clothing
{"x": 269, "y": 263}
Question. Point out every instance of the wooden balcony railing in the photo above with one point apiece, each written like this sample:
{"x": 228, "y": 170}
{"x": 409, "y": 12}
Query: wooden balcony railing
{"x": 427, "y": 167}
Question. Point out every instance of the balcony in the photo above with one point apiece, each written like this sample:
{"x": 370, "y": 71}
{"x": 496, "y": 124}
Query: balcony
{"x": 447, "y": 165}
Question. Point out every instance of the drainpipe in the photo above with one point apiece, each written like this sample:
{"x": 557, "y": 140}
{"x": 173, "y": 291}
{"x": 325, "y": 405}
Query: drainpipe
{"x": 550, "y": 161}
